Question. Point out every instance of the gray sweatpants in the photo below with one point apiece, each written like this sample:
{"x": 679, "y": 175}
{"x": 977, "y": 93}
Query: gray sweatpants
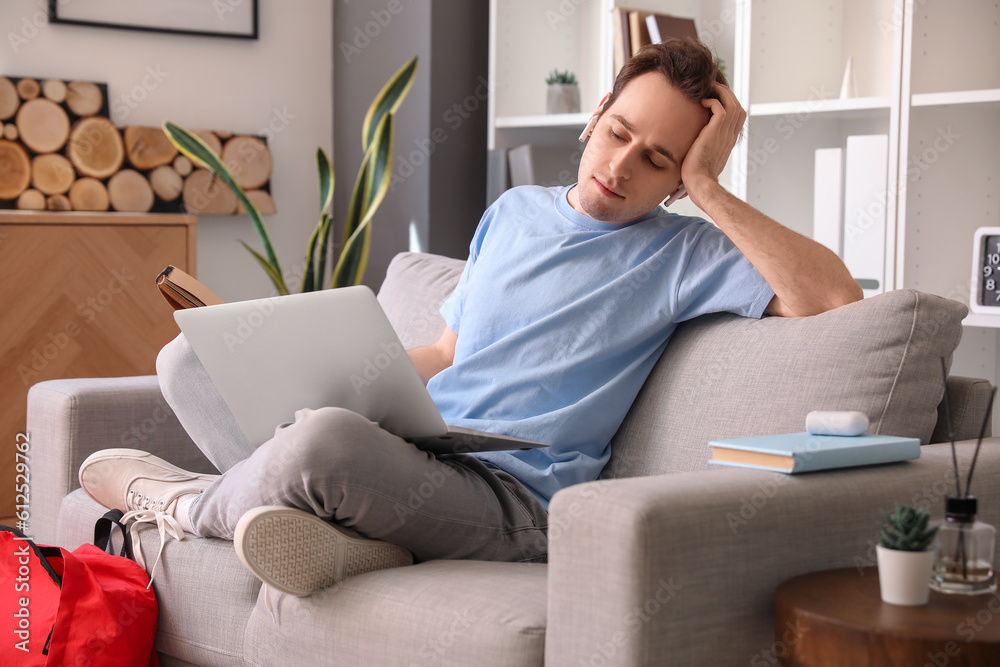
{"x": 346, "y": 469}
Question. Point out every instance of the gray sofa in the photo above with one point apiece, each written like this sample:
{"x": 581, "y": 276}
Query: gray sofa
{"x": 666, "y": 561}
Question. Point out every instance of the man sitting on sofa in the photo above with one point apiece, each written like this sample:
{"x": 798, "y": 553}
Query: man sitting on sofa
{"x": 567, "y": 300}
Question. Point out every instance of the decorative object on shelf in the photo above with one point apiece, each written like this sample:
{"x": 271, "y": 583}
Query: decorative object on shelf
{"x": 963, "y": 561}
{"x": 61, "y": 152}
{"x": 905, "y": 556}
{"x": 848, "y": 86}
{"x": 217, "y": 19}
{"x": 563, "y": 93}
{"x": 984, "y": 298}
{"x": 369, "y": 190}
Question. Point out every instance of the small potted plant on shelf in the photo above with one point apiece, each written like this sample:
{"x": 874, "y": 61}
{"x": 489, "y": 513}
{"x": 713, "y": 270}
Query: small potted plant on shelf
{"x": 563, "y": 93}
{"x": 905, "y": 556}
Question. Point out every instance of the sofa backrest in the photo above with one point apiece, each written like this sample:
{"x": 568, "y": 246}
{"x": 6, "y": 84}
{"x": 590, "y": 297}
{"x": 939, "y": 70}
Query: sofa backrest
{"x": 724, "y": 376}
{"x": 415, "y": 286}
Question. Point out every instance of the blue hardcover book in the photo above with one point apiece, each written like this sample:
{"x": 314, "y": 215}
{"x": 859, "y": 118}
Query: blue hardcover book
{"x": 803, "y": 452}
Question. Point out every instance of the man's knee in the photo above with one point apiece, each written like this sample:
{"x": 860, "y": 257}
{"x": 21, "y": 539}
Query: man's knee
{"x": 170, "y": 357}
{"x": 331, "y": 437}
{"x": 176, "y": 364}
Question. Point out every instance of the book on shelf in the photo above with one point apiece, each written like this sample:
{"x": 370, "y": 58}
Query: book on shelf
{"x": 866, "y": 177}
{"x": 828, "y": 198}
{"x": 497, "y": 174}
{"x": 638, "y": 31}
{"x": 183, "y": 291}
{"x": 804, "y": 452}
{"x": 663, "y": 26}
{"x": 540, "y": 165}
{"x": 622, "y": 38}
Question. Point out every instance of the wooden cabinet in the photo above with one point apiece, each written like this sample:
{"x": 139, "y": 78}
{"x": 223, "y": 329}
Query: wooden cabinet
{"x": 79, "y": 299}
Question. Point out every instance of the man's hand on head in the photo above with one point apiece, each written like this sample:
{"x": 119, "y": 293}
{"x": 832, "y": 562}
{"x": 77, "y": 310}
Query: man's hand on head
{"x": 708, "y": 155}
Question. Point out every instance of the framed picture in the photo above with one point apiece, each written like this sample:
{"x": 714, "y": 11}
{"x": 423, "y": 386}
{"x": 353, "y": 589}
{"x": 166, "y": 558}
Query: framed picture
{"x": 219, "y": 18}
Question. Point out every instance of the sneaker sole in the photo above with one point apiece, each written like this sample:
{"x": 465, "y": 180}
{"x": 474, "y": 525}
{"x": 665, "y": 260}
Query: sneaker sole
{"x": 298, "y": 553}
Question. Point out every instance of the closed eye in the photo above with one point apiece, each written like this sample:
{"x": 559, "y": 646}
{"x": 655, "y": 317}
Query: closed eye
{"x": 618, "y": 137}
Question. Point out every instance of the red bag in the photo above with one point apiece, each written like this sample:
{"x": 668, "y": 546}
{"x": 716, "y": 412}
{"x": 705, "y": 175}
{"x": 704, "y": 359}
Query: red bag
{"x": 81, "y": 608}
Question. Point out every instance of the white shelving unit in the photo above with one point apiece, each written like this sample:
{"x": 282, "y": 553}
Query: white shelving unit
{"x": 788, "y": 72}
{"x": 951, "y": 151}
{"x": 530, "y": 38}
{"x": 926, "y": 76}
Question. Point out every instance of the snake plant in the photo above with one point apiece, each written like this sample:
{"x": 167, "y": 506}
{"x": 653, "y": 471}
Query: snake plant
{"x": 906, "y": 529}
{"x": 369, "y": 190}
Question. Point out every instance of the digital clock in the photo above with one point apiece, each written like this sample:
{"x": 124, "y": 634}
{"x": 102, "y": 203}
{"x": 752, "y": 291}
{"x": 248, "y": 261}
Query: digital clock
{"x": 984, "y": 295}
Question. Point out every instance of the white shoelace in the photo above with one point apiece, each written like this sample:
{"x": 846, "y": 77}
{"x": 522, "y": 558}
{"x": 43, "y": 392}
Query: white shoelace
{"x": 166, "y": 523}
{"x": 267, "y": 603}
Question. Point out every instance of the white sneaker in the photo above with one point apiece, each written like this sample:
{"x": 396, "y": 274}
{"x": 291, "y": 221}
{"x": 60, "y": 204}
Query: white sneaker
{"x": 297, "y": 552}
{"x": 145, "y": 487}
{"x": 131, "y": 479}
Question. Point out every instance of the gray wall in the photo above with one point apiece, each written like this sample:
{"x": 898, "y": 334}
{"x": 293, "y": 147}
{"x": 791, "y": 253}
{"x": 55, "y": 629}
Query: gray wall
{"x": 458, "y": 119}
{"x": 439, "y": 189}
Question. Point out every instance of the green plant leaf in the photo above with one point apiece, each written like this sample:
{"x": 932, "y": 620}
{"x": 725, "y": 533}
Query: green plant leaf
{"x": 356, "y": 207}
{"x": 906, "y": 529}
{"x": 387, "y": 100}
{"x": 308, "y": 281}
{"x": 373, "y": 183}
{"x": 324, "y": 236}
{"x": 276, "y": 278}
{"x": 196, "y": 149}
{"x": 325, "y": 170}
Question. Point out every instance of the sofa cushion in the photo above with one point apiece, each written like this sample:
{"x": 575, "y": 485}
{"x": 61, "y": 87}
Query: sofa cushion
{"x": 434, "y": 613}
{"x": 212, "y": 610}
{"x": 724, "y": 376}
{"x": 415, "y": 286}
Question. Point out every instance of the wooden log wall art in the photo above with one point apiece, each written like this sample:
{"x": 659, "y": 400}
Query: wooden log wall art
{"x": 60, "y": 151}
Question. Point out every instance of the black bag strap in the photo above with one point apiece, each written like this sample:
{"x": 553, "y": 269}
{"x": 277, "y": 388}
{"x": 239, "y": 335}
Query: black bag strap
{"x": 103, "y": 529}
{"x": 43, "y": 553}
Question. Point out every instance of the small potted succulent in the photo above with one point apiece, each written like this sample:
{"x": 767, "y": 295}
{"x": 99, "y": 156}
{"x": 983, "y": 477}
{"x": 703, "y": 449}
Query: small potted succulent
{"x": 905, "y": 556}
{"x": 563, "y": 94}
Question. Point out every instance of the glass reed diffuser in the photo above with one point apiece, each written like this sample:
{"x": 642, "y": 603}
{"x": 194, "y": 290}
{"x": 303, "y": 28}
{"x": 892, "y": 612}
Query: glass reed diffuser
{"x": 964, "y": 561}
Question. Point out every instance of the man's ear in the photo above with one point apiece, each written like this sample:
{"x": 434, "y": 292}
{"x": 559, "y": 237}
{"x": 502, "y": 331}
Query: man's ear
{"x": 587, "y": 131}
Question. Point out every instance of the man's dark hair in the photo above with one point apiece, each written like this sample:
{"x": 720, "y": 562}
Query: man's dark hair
{"x": 686, "y": 63}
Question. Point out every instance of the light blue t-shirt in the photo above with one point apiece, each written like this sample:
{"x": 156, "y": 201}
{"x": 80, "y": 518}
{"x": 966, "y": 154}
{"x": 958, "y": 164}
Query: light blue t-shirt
{"x": 560, "y": 318}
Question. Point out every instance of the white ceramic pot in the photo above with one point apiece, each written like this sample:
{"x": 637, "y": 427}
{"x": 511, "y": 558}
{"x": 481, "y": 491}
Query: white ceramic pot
{"x": 562, "y": 98}
{"x": 904, "y": 576}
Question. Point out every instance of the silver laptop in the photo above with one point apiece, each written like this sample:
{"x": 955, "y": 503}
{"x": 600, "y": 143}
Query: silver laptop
{"x": 335, "y": 347}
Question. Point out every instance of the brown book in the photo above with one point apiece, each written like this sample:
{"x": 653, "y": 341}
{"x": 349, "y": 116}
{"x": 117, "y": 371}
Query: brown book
{"x": 623, "y": 42}
{"x": 662, "y": 26}
{"x": 182, "y": 291}
{"x": 638, "y": 30}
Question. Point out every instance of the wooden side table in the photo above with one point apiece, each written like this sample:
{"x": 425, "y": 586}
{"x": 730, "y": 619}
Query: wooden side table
{"x": 78, "y": 299}
{"x": 837, "y": 617}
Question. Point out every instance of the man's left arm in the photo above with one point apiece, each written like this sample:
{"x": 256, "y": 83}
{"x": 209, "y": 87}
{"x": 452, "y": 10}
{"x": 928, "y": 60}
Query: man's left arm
{"x": 807, "y": 278}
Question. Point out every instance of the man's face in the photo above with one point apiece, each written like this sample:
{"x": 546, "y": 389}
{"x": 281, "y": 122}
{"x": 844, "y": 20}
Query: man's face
{"x": 633, "y": 159}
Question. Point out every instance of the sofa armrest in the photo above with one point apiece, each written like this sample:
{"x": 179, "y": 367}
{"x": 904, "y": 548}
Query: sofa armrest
{"x": 68, "y": 420}
{"x": 682, "y": 568}
{"x": 968, "y": 399}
